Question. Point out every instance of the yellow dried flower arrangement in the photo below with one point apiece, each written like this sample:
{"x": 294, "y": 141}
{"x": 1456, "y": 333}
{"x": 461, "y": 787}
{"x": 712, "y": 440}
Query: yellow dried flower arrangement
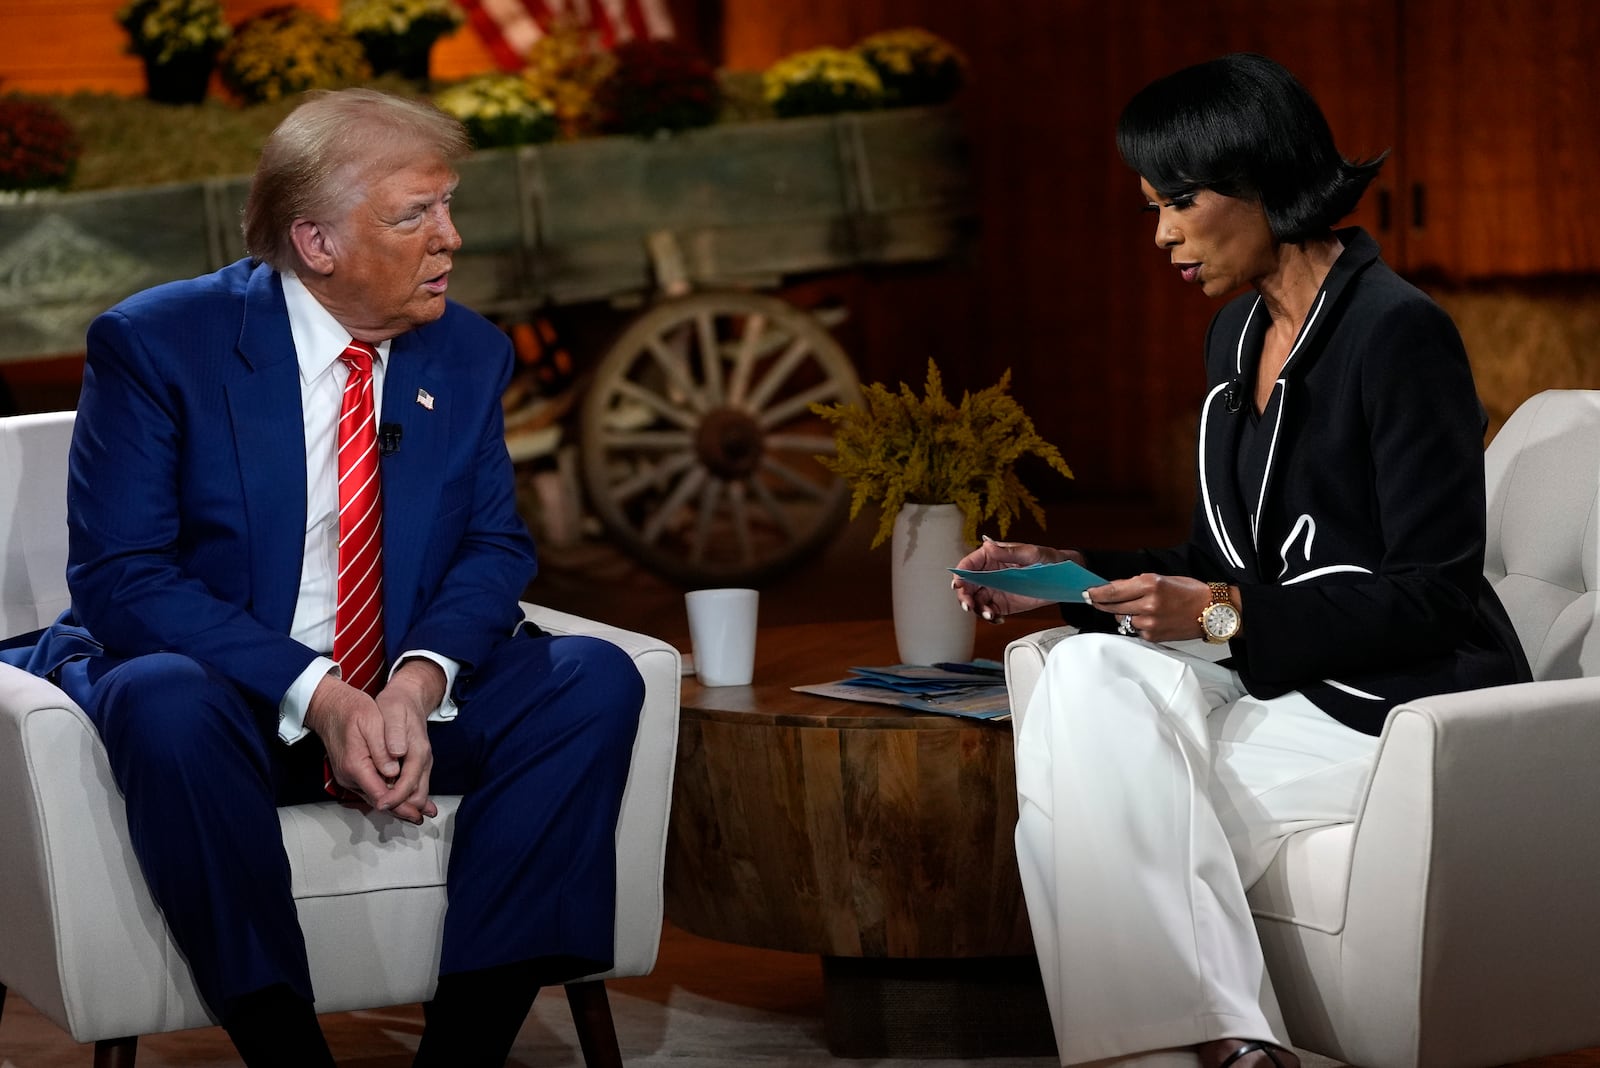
{"x": 898, "y": 448}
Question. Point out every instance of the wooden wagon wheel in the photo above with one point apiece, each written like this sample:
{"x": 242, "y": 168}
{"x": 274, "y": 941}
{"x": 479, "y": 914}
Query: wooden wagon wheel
{"x": 699, "y": 446}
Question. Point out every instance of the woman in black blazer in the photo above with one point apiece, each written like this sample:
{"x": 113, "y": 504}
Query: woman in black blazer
{"x": 1335, "y": 565}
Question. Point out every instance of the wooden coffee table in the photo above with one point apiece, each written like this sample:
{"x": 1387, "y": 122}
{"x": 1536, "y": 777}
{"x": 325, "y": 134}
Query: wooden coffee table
{"x": 879, "y": 839}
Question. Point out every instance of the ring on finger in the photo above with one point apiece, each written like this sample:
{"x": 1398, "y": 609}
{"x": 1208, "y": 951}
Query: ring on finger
{"x": 1125, "y": 626}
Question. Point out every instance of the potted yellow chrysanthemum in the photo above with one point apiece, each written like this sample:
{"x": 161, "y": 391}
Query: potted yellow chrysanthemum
{"x": 398, "y": 35}
{"x": 178, "y": 40}
{"x": 916, "y": 67}
{"x": 937, "y": 470}
{"x": 821, "y": 81}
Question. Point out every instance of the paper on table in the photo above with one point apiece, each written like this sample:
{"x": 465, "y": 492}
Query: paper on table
{"x": 1062, "y": 581}
{"x": 975, "y": 689}
{"x": 972, "y": 702}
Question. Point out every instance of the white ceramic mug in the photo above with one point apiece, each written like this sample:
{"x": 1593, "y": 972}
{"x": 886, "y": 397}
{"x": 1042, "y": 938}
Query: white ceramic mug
{"x": 722, "y": 631}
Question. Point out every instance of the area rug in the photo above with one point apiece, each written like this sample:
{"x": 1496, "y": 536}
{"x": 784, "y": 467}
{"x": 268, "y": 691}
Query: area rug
{"x": 707, "y": 1005}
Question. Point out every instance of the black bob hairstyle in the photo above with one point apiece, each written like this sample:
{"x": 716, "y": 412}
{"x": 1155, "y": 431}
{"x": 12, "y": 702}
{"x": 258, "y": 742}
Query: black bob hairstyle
{"x": 1244, "y": 127}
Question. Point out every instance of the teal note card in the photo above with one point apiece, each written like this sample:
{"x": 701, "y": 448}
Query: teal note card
{"x": 1063, "y": 581}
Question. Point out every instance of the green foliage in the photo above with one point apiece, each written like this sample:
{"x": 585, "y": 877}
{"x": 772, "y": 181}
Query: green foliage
{"x": 898, "y": 448}
{"x": 743, "y": 97}
{"x": 288, "y": 50}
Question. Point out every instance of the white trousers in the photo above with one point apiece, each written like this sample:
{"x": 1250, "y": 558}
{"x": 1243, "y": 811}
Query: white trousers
{"x": 1152, "y": 790}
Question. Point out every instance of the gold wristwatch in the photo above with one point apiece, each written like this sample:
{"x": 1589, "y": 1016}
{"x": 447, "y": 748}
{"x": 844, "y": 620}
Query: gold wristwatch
{"x": 1220, "y": 620}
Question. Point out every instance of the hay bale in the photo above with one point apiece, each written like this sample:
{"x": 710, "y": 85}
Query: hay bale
{"x": 1524, "y": 336}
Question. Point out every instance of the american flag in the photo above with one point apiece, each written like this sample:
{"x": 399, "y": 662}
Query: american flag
{"x": 510, "y": 27}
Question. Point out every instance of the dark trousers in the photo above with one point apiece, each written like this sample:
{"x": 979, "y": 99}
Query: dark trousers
{"x": 540, "y": 752}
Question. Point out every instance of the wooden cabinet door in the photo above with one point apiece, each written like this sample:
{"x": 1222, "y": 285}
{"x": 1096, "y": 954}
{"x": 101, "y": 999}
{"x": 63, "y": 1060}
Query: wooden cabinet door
{"x": 1501, "y": 137}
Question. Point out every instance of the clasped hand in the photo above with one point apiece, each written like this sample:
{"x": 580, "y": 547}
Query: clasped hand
{"x": 1163, "y": 607}
{"x": 378, "y": 747}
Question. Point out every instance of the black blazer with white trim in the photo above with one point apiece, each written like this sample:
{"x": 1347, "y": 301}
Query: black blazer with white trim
{"x": 1359, "y": 557}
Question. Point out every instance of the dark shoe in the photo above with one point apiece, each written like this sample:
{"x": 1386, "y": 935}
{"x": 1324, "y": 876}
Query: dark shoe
{"x": 474, "y": 1017}
{"x": 275, "y": 1028}
{"x": 1253, "y": 1047}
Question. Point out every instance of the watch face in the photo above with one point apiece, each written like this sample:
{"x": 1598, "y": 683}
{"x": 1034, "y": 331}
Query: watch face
{"x": 1221, "y": 621}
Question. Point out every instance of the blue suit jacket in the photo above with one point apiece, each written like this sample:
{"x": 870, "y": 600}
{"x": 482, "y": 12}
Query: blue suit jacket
{"x": 186, "y": 493}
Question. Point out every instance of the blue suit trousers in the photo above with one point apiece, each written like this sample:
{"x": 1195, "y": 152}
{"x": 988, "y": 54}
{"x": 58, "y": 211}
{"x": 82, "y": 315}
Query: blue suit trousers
{"x": 539, "y": 752}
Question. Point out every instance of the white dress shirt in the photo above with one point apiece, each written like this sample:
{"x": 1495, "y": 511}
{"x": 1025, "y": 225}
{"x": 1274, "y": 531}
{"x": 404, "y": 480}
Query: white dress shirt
{"x": 319, "y": 340}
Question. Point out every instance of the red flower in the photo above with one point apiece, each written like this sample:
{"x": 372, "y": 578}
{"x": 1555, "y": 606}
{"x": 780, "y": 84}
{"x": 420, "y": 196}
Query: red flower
{"x": 658, "y": 85}
{"x": 38, "y": 147}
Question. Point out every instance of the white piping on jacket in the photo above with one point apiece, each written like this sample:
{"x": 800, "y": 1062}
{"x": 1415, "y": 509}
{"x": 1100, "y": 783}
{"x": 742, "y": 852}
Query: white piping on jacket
{"x": 1331, "y": 569}
{"x": 1219, "y": 532}
{"x": 1305, "y": 329}
{"x": 1238, "y": 352}
{"x": 1309, "y": 525}
{"x": 1352, "y": 691}
{"x": 1282, "y": 387}
{"x": 1213, "y": 515}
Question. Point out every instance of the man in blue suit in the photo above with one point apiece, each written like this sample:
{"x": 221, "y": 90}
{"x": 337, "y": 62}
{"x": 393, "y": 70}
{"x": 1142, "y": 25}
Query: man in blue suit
{"x": 204, "y": 566}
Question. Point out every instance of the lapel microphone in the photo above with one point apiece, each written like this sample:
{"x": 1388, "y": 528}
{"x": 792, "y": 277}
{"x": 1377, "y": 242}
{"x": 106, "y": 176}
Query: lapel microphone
{"x": 389, "y": 438}
{"x": 1233, "y": 397}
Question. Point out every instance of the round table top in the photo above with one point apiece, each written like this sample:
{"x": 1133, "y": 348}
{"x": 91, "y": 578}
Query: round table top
{"x": 803, "y": 653}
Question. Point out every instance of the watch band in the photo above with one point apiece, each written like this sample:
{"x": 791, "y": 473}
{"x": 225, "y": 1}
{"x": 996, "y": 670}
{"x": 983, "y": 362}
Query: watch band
{"x": 1220, "y": 602}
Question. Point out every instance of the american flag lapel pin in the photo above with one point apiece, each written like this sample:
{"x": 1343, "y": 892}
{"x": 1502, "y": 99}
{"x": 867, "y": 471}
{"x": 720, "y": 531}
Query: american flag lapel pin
{"x": 425, "y": 399}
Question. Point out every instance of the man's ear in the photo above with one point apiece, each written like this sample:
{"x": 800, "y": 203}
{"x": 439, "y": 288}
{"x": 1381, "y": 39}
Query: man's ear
{"x": 314, "y": 244}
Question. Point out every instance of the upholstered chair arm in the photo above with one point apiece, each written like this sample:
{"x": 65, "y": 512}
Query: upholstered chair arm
{"x": 1472, "y": 792}
{"x": 1024, "y": 663}
{"x": 647, "y": 799}
{"x": 77, "y": 911}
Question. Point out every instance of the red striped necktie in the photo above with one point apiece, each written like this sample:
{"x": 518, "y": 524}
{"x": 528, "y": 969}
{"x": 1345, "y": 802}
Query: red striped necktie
{"x": 358, "y": 618}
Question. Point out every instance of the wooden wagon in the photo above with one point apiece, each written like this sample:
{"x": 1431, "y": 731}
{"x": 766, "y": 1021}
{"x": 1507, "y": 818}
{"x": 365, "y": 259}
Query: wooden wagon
{"x": 697, "y": 444}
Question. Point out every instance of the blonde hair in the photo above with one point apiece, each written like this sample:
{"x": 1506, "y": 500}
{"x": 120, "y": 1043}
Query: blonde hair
{"x": 317, "y": 162}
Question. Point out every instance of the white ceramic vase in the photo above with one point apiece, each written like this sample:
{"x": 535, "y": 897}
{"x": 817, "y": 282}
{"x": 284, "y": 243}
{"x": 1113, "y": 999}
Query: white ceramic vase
{"x": 929, "y": 625}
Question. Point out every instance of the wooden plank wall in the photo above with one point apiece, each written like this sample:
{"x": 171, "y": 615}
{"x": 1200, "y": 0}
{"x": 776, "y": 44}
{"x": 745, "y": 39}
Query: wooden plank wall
{"x": 1059, "y": 214}
{"x": 1065, "y": 287}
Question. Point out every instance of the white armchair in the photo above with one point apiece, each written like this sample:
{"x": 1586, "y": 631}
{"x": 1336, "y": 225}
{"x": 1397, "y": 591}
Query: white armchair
{"x": 82, "y": 940}
{"x": 1453, "y": 925}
